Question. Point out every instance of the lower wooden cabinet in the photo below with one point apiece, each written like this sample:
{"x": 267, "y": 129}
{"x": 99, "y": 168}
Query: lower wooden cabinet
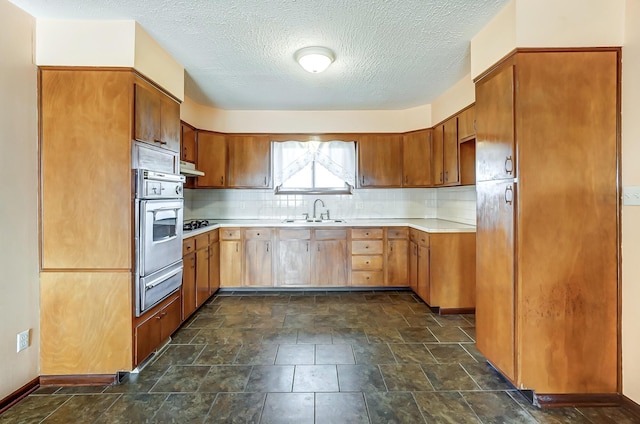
{"x": 329, "y": 264}
{"x": 453, "y": 271}
{"x": 397, "y": 256}
{"x": 202, "y": 269}
{"x": 367, "y": 259}
{"x": 258, "y": 257}
{"x": 231, "y": 251}
{"x": 214, "y": 261}
{"x": 188, "y": 285}
{"x": 294, "y": 258}
{"x": 157, "y": 327}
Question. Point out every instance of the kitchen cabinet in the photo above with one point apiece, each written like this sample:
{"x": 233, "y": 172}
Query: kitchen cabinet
{"x": 249, "y": 164}
{"x": 156, "y": 118}
{"x": 367, "y": 260}
{"x": 445, "y": 153}
{"x": 258, "y": 257}
{"x": 548, "y": 241}
{"x": 187, "y": 142}
{"x": 416, "y": 159}
{"x": 438, "y": 155}
{"x": 189, "y": 275}
{"x": 413, "y": 266}
{"x": 397, "y": 257}
{"x": 329, "y": 252}
{"x": 212, "y": 159}
{"x": 420, "y": 259}
{"x": 380, "y": 160}
{"x": 81, "y": 263}
{"x": 467, "y": 123}
{"x": 202, "y": 269}
{"x": 158, "y": 325}
{"x": 231, "y": 251}
{"x": 452, "y": 272}
{"x": 294, "y": 257}
{"x": 214, "y": 261}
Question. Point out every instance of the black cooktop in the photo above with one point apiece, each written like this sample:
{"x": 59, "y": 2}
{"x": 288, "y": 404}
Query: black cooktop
{"x": 194, "y": 224}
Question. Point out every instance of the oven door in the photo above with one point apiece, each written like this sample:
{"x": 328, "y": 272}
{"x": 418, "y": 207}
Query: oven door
{"x": 160, "y": 235}
{"x": 151, "y": 289}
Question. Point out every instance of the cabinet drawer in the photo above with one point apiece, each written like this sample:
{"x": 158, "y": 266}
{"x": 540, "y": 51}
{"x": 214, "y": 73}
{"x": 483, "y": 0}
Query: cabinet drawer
{"x": 398, "y": 233}
{"x": 202, "y": 241}
{"x": 366, "y": 233}
{"x": 214, "y": 236}
{"x": 367, "y": 278}
{"x": 331, "y": 234}
{"x": 366, "y": 247}
{"x": 419, "y": 237}
{"x": 295, "y": 234}
{"x": 188, "y": 246}
{"x": 366, "y": 262}
{"x": 258, "y": 233}
{"x": 230, "y": 234}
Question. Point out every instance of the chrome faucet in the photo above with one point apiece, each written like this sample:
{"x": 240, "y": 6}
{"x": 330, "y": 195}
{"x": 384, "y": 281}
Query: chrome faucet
{"x": 315, "y": 203}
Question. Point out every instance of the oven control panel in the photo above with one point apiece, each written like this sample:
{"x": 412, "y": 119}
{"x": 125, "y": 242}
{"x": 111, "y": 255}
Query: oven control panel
{"x": 158, "y": 185}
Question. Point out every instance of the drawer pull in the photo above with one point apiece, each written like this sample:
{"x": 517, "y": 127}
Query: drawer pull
{"x": 367, "y": 262}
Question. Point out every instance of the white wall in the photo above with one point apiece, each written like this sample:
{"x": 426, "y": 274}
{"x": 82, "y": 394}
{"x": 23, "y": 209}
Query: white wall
{"x": 19, "y": 285}
{"x": 631, "y": 214}
{"x": 461, "y": 95}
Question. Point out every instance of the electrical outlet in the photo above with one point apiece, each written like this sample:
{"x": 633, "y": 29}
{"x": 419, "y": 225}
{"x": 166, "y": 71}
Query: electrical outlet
{"x": 631, "y": 195}
{"x": 23, "y": 340}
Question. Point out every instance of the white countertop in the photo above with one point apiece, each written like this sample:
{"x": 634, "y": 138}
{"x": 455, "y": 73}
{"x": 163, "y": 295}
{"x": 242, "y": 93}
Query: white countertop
{"x": 427, "y": 225}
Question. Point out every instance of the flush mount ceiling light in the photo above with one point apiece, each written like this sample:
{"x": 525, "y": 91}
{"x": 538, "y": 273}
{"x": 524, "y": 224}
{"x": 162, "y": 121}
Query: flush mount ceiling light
{"x": 314, "y": 59}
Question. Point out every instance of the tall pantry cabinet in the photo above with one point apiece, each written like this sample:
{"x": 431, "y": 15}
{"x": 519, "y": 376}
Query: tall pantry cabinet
{"x": 547, "y": 223}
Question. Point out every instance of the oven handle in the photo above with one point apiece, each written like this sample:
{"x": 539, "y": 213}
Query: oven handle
{"x": 161, "y": 279}
{"x": 155, "y": 211}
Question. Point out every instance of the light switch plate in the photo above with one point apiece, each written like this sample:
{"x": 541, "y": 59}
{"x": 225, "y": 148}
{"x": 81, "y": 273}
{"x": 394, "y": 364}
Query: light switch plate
{"x": 631, "y": 195}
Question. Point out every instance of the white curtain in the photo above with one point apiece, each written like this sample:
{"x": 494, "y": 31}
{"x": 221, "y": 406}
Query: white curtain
{"x": 339, "y": 157}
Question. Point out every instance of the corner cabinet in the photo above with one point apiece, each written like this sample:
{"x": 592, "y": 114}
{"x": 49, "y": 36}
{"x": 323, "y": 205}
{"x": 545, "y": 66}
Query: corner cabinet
{"x": 88, "y": 119}
{"x": 547, "y": 232}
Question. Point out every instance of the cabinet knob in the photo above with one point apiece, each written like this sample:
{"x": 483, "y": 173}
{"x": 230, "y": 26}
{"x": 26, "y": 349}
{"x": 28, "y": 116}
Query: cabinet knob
{"x": 508, "y": 165}
{"x": 367, "y": 262}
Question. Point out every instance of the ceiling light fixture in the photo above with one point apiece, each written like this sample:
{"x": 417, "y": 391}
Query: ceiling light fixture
{"x": 314, "y": 59}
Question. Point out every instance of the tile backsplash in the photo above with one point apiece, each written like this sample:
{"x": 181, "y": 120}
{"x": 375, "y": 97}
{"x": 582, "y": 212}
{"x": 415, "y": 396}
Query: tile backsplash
{"x": 452, "y": 203}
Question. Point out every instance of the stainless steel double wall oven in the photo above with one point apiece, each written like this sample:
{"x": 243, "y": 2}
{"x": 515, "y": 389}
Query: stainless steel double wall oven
{"x": 159, "y": 207}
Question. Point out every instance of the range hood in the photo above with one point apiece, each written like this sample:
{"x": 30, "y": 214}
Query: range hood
{"x": 189, "y": 169}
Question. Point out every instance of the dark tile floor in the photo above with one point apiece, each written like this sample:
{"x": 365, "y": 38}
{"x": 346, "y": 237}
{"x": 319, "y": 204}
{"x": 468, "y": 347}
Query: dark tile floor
{"x": 359, "y": 357}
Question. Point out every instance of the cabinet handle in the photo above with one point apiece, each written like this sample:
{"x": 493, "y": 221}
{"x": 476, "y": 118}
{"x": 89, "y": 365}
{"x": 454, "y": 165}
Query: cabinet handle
{"x": 363, "y": 180}
{"x": 508, "y": 195}
{"x": 236, "y": 247}
{"x": 368, "y": 277}
{"x": 184, "y": 152}
{"x": 318, "y": 248}
{"x": 267, "y": 247}
{"x": 441, "y": 177}
{"x": 366, "y": 234}
{"x": 265, "y": 180}
{"x": 390, "y": 246}
{"x": 159, "y": 141}
{"x": 508, "y": 161}
{"x": 406, "y": 179}
{"x": 222, "y": 180}
{"x": 158, "y": 317}
{"x": 475, "y": 128}
{"x": 446, "y": 176}
{"x": 367, "y": 262}
{"x": 307, "y": 246}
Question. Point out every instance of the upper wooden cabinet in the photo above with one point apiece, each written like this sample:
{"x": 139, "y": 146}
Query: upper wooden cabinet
{"x": 249, "y": 161}
{"x": 157, "y": 118}
{"x": 212, "y": 159}
{"x": 467, "y": 123}
{"x": 450, "y": 155}
{"x": 437, "y": 149}
{"x": 416, "y": 159}
{"x": 188, "y": 143}
{"x": 380, "y": 160}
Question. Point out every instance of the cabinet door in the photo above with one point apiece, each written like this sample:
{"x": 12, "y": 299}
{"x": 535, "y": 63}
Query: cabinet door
{"x": 450, "y": 154}
{"x": 413, "y": 266}
{"x": 258, "y": 261}
{"x": 495, "y": 276}
{"x": 214, "y": 267}
{"x": 424, "y": 287}
{"x": 147, "y": 115}
{"x": 294, "y": 262}
{"x": 212, "y": 159}
{"x": 202, "y": 276}
{"x": 380, "y": 160}
{"x": 170, "y": 319}
{"x": 438, "y": 155}
{"x": 189, "y": 285}
{"x": 249, "y": 161}
{"x": 169, "y": 123}
{"x": 148, "y": 338}
{"x": 466, "y": 123}
{"x": 495, "y": 126}
{"x": 188, "y": 144}
{"x": 416, "y": 159}
{"x": 330, "y": 266}
{"x": 397, "y": 263}
{"x": 230, "y": 263}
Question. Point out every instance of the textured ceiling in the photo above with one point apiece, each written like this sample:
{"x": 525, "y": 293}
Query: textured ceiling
{"x": 238, "y": 54}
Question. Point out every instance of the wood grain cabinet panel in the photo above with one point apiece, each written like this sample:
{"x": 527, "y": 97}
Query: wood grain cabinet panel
{"x": 258, "y": 257}
{"x": 329, "y": 264}
{"x": 452, "y": 270}
{"x": 467, "y": 123}
{"x": 214, "y": 262}
{"x": 202, "y": 269}
{"x": 157, "y": 328}
{"x": 231, "y": 252}
{"x": 450, "y": 159}
{"x": 187, "y": 143}
{"x": 397, "y": 252}
{"x": 156, "y": 118}
{"x": 438, "y": 155}
{"x": 380, "y": 160}
{"x": 416, "y": 159}
{"x": 548, "y": 242}
{"x": 249, "y": 164}
{"x": 211, "y": 159}
{"x": 188, "y": 285}
{"x": 294, "y": 257}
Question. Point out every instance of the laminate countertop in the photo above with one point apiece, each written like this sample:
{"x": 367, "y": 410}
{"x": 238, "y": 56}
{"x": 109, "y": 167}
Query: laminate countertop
{"x": 428, "y": 225}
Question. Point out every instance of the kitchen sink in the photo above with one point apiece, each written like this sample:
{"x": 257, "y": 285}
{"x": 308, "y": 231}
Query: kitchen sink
{"x": 313, "y": 221}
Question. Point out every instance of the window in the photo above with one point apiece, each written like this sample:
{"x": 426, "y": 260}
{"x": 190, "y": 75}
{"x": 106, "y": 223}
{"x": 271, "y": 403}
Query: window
{"x": 314, "y": 167}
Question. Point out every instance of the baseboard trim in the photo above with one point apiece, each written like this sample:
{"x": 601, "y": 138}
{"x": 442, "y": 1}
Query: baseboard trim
{"x": 19, "y": 394}
{"x": 577, "y": 400}
{"x": 79, "y": 380}
{"x": 456, "y": 311}
{"x": 631, "y": 406}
